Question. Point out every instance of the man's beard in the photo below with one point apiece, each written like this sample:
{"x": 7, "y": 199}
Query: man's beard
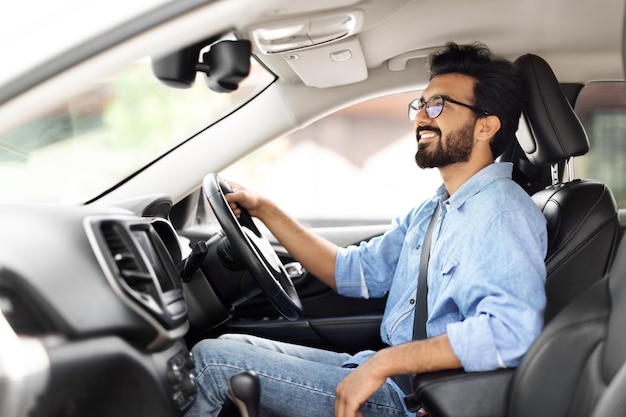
{"x": 459, "y": 145}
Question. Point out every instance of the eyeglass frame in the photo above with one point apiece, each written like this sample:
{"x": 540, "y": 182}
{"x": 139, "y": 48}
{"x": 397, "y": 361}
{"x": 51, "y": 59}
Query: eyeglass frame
{"x": 424, "y": 105}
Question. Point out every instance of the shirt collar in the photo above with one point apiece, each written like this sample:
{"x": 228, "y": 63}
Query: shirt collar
{"x": 477, "y": 182}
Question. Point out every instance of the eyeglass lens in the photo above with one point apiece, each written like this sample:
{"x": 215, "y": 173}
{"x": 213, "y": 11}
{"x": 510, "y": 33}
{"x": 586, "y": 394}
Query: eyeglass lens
{"x": 434, "y": 107}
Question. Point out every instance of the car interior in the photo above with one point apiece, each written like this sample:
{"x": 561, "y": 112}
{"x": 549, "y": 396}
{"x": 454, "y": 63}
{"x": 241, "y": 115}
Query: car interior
{"x": 102, "y": 296}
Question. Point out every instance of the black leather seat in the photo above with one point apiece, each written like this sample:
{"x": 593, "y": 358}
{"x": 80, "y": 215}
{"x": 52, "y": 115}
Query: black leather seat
{"x": 562, "y": 373}
{"x": 577, "y": 357}
{"x": 575, "y": 368}
{"x": 581, "y": 214}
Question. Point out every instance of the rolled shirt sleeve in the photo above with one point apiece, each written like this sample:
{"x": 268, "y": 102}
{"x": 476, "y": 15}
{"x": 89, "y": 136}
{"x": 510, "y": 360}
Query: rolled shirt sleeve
{"x": 503, "y": 304}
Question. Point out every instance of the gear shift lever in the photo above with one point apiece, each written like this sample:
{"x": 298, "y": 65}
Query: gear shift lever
{"x": 245, "y": 389}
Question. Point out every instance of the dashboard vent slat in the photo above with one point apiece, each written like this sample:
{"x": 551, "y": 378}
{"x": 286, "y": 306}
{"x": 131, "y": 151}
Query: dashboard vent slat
{"x": 131, "y": 269}
{"x": 122, "y": 255}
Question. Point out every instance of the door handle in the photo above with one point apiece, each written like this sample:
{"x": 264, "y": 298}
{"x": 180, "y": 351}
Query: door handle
{"x": 295, "y": 270}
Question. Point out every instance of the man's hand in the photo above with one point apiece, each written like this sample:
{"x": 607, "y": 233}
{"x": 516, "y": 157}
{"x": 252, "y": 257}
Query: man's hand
{"x": 316, "y": 254}
{"x": 433, "y": 354}
{"x": 356, "y": 388}
{"x": 241, "y": 197}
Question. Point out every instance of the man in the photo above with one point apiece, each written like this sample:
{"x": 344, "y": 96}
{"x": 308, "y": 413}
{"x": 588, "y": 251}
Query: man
{"x": 486, "y": 272}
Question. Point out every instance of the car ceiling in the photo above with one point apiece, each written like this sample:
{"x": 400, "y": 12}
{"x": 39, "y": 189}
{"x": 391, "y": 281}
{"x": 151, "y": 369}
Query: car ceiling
{"x": 559, "y": 30}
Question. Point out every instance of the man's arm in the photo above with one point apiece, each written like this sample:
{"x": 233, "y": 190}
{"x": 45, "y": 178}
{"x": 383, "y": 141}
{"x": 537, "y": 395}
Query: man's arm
{"x": 316, "y": 254}
{"x": 427, "y": 355}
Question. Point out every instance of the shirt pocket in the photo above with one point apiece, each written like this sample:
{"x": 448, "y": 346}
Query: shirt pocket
{"x": 442, "y": 275}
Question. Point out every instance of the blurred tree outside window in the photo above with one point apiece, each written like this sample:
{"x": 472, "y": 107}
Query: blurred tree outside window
{"x": 98, "y": 139}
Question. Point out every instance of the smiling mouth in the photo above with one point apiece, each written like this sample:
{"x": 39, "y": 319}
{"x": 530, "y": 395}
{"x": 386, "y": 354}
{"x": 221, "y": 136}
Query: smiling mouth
{"x": 427, "y": 132}
{"x": 426, "y": 135}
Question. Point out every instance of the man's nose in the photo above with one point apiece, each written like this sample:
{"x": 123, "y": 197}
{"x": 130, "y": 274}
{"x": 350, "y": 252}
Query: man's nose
{"x": 421, "y": 118}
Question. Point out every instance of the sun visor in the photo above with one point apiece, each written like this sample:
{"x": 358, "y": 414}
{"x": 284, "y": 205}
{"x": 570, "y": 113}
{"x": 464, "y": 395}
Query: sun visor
{"x": 329, "y": 65}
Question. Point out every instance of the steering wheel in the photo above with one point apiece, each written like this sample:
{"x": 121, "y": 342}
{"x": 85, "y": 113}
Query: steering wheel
{"x": 254, "y": 249}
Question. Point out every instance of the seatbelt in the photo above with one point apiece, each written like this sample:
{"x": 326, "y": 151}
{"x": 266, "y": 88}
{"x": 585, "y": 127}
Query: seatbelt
{"x": 405, "y": 382}
{"x": 421, "y": 302}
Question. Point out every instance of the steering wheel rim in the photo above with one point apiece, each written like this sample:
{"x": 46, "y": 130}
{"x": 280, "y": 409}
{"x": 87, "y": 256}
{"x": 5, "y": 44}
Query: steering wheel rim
{"x": 254, "y": 249}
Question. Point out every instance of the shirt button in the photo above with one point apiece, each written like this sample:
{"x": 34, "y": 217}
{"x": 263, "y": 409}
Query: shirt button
{"x": 418, "y": 247}
{"x": 411, "y": 301}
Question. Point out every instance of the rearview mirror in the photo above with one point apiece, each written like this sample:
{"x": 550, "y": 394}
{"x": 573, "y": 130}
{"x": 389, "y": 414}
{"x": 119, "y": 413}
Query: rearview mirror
{"x": 225, "y": 65}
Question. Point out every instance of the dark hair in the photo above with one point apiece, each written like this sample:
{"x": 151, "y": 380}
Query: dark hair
{"x": 498, "y": 89}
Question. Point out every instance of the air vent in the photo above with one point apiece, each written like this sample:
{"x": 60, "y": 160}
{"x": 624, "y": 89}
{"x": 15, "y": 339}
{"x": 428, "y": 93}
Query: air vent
{"x": 131, "y": 269}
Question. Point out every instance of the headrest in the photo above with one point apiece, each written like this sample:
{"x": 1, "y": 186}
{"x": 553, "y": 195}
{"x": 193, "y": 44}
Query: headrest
{"x": 556, "y": 132}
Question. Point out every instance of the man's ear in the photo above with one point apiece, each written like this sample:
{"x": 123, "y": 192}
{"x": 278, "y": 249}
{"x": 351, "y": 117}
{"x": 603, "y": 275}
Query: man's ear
{"x": 487, "y": 127}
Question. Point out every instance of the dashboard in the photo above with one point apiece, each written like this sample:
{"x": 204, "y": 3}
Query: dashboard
{"x": 93, "y": 312}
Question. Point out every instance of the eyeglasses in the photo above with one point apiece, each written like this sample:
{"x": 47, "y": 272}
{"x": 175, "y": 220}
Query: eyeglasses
{"x": 434, "y": 106}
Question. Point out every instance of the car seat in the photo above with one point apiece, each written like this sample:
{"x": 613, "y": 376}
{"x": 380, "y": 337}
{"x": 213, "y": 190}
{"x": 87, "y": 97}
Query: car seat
{"x": 581, "y": 213}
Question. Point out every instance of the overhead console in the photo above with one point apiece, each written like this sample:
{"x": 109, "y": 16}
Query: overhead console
{"x": 297, "y": 34}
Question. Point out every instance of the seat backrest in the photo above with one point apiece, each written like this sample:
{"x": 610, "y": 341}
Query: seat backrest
{"x": 579, "y": 358}
{"x": 581, "y": 215}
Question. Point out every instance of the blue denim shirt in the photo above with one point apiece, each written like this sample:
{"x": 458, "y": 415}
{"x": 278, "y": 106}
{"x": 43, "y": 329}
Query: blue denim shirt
{"x": 486, "y": 273}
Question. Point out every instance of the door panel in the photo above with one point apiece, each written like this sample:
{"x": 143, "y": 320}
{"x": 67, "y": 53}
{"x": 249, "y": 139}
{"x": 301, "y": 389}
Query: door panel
{"x": 330, "y": 321}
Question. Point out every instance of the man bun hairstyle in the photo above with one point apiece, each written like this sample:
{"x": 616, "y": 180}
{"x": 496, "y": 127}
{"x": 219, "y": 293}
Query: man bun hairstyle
{"x": 498, "y": 89}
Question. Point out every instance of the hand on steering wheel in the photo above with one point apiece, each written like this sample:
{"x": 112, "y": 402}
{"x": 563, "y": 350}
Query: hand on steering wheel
{"x": 254, "y": 249}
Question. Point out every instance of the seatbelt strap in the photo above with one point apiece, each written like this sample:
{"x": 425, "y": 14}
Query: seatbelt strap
{"x": 421, "y": 300}
{"x": 405, "y": 382}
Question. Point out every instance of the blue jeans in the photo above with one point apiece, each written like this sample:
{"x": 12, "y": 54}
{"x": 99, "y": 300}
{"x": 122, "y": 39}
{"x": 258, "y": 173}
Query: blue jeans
{"x": 295, "y": 380}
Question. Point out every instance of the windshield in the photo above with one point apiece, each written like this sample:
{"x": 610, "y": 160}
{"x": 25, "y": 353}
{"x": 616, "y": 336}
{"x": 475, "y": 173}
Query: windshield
{"x": 96, "y": 140}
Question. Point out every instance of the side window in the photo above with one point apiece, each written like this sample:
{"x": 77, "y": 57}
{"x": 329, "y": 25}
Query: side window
{"x": 354, "y": 167}
{"x": 601, "y": 106}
